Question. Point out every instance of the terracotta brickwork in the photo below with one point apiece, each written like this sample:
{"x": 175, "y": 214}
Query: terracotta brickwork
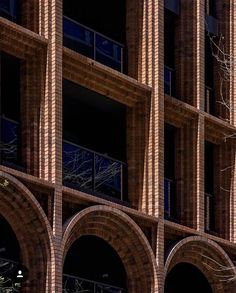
{"x": 48, "y": 217}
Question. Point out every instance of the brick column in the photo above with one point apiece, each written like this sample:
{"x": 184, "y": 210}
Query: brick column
{"x": 199, "y": 53}
{"x": 200, "y": 186}
{"x": 152, "y": 70}
{"x": 51, "y": 125}
{"x": 152, "y": 74}
{"x": 30, "y": 103}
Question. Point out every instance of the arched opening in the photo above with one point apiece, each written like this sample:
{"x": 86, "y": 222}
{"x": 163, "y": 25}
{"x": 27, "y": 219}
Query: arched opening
{"x": 91, "y": 264}
{"x": 31, "y": 239}
{"x": 184, "y": 278}
{"x": 12, "y": 272}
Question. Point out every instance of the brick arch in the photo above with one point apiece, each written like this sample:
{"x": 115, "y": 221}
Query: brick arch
{"x": 124, "y": 235}
{"x": 30, "y": 224}
{"x": 208, "y": 257}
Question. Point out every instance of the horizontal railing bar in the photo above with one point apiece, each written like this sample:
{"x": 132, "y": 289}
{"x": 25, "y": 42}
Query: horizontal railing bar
{"x": 95, "y": 32}
{"x": 9, "y": 260}
{"x": 169, "y": 68}
{"x": 8, "y": 119}
{"x": 92, "y": 151}
{"x": 208, "y": 194}
{"x": 92, "y": 282}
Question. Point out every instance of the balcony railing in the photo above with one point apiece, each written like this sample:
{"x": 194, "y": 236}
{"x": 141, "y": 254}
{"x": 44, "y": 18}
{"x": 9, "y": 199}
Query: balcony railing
{"x": 10, "y": 143}
{"x": 8, "y": 9}
{"x": 92, "y": 172}
{"x": 169, "y": 190}
{"x": 169, "y": 81}
{"x": 92, "y": 44}
{"x": 11, "y": 276}
{"x": 209, "y": 208}
{"x": 72, "y": 284}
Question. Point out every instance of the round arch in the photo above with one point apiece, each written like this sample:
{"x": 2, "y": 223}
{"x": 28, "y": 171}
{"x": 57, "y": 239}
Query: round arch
{"x": 208, "y": 257}
{"x": 32, "y": 229}
{"x": 124, "y": 235}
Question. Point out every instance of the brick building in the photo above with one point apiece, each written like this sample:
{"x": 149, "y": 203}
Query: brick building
{"x": 117, "y": 167}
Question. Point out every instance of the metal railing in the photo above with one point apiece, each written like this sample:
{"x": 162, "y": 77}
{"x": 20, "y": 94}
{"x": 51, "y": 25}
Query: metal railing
{"x": 90, "y": 171}
{"x": 10, "y": 143}
{"x": 168, "y": 80}
{"x": 72, "y": 284}
{"x": 209, "y": 206}
{"x": 9, "y": 283}
{"x": 8, "y": 9}
{"x": 92, "y": 44}
{"x": 168, "y": 197}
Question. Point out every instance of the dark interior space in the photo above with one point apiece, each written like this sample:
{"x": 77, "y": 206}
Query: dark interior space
{"x": 105, "y": 16}
{"x": 169, "y": 52}
{"x": 210, "y": 7}
{"x": 9, "y": 246}
{"x": 209, "y": 186}
{"x": 170, "y": 194}
{"x": 209, "y": 62}
{"x": 169, "y": 38}
{"x": 94, "y": 121}
{"x": 92, "y": 258}
{"x": 169, "y": 147}
{"x": 209, "y": 167}
{"x": 10, "y": 9}
{"x": 185, "y": 278}
{"x": 10, "y": 86}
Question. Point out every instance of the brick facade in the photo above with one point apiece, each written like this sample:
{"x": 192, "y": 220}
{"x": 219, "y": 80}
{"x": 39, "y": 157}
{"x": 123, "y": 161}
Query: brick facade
{"x": 48, "y": 217}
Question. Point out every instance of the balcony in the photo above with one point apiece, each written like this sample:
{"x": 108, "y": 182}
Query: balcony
{"x": 8, "y": 9}
{"x": 76, "y": 284}
{"x": 92, "y": 44}
{"x": 89, "y": 171}
{"x": 10, "y": 143}
{"x": 173, "y": 6}
{"x": 169, "y": 81}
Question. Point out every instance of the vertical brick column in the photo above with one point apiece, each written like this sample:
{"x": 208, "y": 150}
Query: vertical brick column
{"x": 51, "y": 124}
{"x": 200, "y": 186}
{"x": 152, "y": 74}
{"x": 30, "y": 103}
{"x": 152, "y": 71}
{"x": 199, "y": 53}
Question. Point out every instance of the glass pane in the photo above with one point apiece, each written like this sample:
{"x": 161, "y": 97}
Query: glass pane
{"x": 167, "y": 81}
{"x": 77, "y": 167}
{"x": 5, "y": 5}
{"x": 167, "y": 196}
{"x": 108, "y": 176}
{"x": 72, "y": 285}
{"x": 78, "y": 38}
{"x": 107, "y": 289}
{"x": 9, "y": 140}
{"x": 108, "y": 52}
{"x": 8, "y": 273}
